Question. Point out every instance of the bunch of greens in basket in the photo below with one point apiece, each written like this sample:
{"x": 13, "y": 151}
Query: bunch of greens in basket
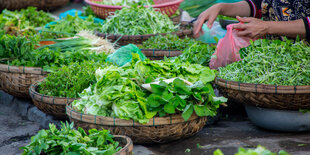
{"x": 171, "y": 98}
{"x": 118, "y": 93}
{"x": 125, "y": 2}
{"x": 70, "y": 26}
{"x": 14, "y": 21}
{"x": 136, "y": 20}
{"x": 70, "y": 80}
{"x": 271, "y": 62}
{"x": 71, "y": 141}
{"x": 20, "y": 51}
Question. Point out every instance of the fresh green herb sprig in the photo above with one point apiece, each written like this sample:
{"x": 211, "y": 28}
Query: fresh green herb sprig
{"x": 178, "y": 96}
{"x": 260, "y": 150}
{"x": 271, "y": 62}
{"x": 71, "y": 141}
{"x": 125, "y": 2}
{"x": 136, "y": 20}
{"x": 168, "y": 42}
{"x": 70, "y": 80}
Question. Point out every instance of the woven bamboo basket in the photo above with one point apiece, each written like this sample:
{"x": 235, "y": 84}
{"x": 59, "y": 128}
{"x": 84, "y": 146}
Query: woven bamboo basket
{"x": 266, "y": 96}
{"x": 40, "y": 4}
{"x": 126, "y": 144}
{"x": 185, "y": 30}
{"x": 158, "y": 130}
{"x": 55, "y": 106}
{"x": 16, "y": 80}
{"x": 155, "y": 54}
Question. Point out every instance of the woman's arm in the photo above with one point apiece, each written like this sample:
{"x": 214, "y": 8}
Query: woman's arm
{"x": 256, "y": 28}
{"x": 227, "y": 9}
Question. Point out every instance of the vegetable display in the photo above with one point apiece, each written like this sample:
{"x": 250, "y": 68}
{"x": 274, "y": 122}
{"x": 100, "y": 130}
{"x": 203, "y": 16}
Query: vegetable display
{"x": 271, "y": 62}
{"x": 136, "y": 20}
{"x": 71, "y": 141}
{"x": 260, "y": 150}
{"x": 20, "y": 51}
{"x": 70, "y": 80}
{"x": 13, "y": 21}
{"x": 125, "y": 2}
{"x": 117, "y": 92}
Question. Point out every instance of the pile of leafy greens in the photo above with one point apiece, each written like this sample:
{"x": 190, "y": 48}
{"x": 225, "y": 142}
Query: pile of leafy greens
{"x": 137, "y": 20}
{"x": 71, "y": 141}
{"x": 70, "y": 26}
{"x": 260, "y": 150}
{"x": 193, "y": 51}
{"x": 14, "y": 21}
{"x": 273, "y": 62}
{"x": 118, "y": 91}
{"x": 70, "y": 80}
{"x": 125, "y": 2}
{"x": 21, "y": 51}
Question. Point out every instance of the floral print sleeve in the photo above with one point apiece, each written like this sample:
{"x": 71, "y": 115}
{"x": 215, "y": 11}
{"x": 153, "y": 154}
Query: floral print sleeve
{"x": 255, "y": 6}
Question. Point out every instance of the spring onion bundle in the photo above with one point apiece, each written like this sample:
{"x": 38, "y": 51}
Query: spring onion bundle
{"x": 138, "y": 21}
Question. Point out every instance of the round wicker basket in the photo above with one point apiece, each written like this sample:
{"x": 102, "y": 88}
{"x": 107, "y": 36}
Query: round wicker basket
{"x": 40, "y": 4}
{"x": 16, "y": 80}
{"x": 155, "y": 54}
{"x": 158, "y": 130}
{"x": 126, "y": 144}
{"x": 266, "y": 96}
{"x": 185, "y": 30}
{"x": 55, "y": 106}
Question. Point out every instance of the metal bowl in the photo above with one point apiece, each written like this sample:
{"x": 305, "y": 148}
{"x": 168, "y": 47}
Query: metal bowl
{"x": 278, "y": 120}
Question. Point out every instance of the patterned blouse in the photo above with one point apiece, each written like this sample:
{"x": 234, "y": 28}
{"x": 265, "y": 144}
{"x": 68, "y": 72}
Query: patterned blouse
{"x": 282, "y": 10}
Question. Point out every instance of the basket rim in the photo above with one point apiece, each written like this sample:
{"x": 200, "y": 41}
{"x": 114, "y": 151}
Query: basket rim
{"x": 22, "y": 69}
{"x": 127, "y": 147}
{"x": 262, "y": 88}
{"x": 45, "y": 98}
{"x": 117, "y": 122}
{"x": 120, "y": 7}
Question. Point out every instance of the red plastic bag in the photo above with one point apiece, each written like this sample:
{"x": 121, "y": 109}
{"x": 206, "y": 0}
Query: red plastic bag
{"x": 227, "y": 50}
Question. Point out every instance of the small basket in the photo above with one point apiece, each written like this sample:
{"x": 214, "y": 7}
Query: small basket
{"x": 266, "y": 96}
{"x": 168, "y": 7}
{"x": 55, "y": 106}
{"x": 126, "y": 144}
{"x": 155, "y": 54}
{"x": 139, "y": 39}
{"x": 17, "y": 80}
{"x": 40, "y": 4}
{"x": 158, "y": 130}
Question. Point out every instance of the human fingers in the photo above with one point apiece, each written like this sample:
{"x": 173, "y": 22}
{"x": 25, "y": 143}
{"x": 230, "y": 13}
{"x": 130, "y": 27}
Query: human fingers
{"x": 198, "y": 25}
{"x": 244, "y": 19}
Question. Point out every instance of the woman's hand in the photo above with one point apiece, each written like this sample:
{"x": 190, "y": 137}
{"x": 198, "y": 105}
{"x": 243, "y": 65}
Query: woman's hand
{"x": 253, "y": 28}
{"x": 209, "y": 15}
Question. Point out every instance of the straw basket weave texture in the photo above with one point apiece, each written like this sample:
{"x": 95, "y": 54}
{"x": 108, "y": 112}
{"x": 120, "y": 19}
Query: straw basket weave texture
{"x": 17, "y": 80}
{"x": 126, "y": 144}
{"x": 266, "y": 96}
{"x": 155, "y": 54}
{"x": 55, "y": 106}
{"x": 40, "y": 4}
{"x": 158, "y": 130}
{"x": 185, "y": 30}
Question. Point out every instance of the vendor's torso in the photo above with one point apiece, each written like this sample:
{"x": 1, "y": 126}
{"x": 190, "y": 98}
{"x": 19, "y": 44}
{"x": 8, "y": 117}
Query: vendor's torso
{"x": 285, "y": 10}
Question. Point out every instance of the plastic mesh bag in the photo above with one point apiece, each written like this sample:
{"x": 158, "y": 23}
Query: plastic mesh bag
{"x": 124, "y": 55}
{"x": 227, "y": 50}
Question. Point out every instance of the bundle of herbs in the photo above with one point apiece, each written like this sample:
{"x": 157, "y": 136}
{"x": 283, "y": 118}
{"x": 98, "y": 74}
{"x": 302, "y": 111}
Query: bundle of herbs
{"x": 138, "y": 20}
{"x": 125, "y": 2}
{"x": 13, "y": 22}
{"x": 118, "y": 92}
{"x": 67, "y": 140}
{"x": 273, "y": 62}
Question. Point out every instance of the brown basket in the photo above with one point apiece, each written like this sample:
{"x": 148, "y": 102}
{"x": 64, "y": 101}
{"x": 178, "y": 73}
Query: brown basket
{"x": 266, "y": 96}
{"x": 55, "y": 106}
{"x": 17, "y": 80}
{"x": 138, "y": 39}
{"x": 40, "y": 4}
{"x": 158, "y": 130}
{"x": 126, "y": 144}
{"x": 155, "y": 54}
